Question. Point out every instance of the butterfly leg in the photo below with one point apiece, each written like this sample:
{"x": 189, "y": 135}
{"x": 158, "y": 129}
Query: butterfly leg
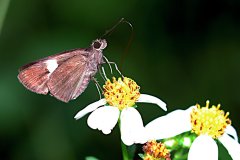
{"x": 98, "y": 87}
{"x": 107, "y": 61}
{"x": 102, "y": 73}
{"x": 116, "y": 67}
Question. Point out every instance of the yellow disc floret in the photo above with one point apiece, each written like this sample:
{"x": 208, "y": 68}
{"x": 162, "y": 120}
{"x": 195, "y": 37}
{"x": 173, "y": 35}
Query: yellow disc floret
{"x": 155, "y": 151}
{"x": 209, "y": 121}
{"x": 121, "y": 93}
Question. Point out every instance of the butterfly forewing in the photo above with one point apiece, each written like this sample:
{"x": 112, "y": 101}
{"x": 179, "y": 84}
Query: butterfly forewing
{"x": 67, "y": 78}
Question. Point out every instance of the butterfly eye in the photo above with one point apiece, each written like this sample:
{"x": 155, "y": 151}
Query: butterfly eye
{"x": 97, "y": 45}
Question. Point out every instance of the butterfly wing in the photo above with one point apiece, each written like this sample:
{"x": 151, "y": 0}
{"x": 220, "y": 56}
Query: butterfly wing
{"x": 70, "y": 79}
{"x": 35, "y": 75}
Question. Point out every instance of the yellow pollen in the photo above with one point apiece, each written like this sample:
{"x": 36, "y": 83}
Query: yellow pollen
{"x": 121, "y": 93}
{"x": 209, "y": 121}
{"x": 155, "y": 151}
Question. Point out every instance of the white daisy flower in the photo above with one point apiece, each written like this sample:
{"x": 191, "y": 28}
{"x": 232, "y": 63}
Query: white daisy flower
{"x": 119, "y": 103}
{"x": 208, "y": 123}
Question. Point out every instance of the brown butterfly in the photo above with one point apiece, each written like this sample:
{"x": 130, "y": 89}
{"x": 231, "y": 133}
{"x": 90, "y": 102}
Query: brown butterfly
{"x": 65, "y": 75}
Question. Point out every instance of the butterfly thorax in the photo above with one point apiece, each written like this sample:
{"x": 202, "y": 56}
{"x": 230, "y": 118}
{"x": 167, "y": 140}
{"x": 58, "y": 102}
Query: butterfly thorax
{"x": 94, "y": 60}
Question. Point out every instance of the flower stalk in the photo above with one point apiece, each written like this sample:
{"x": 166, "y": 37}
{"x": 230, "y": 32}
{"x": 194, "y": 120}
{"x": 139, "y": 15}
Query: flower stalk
{"x": 124, "y": 151}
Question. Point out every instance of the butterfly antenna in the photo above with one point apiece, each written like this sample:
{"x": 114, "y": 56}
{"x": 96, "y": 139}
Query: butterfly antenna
{"x": 130, "y": 39}
{"x": 109, "y": 31}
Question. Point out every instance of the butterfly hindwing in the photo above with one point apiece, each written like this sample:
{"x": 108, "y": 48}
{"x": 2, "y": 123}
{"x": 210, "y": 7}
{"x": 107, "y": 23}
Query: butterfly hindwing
{"x": 34, "y": 78}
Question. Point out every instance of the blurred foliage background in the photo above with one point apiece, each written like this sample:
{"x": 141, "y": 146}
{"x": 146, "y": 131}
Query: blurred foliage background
{"x": 184, "y": 52}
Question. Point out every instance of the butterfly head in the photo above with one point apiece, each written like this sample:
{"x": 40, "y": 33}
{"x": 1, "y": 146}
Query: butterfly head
{"x": 99, "y": 44}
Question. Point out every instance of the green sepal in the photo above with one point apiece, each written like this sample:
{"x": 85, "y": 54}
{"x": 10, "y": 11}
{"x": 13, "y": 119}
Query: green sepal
{"x": 141, "y": 155}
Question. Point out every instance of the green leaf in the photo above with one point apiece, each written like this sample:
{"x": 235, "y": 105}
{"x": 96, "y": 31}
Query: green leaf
{"x": 3, "y": 11}
{"x": 91, "y": 158}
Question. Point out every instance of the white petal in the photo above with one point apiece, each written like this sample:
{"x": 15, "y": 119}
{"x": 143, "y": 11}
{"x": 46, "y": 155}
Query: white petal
{"x": 91, "y": 107}
{"x": 231, "y": 145}
{"x": 151, "y": 99}
{"x": 231, "y": 131}
{"x": 104, "y": 119}
{"x": 169, "y": 125}
{"x": 203, "y": 147}
{"x": 132, "y": 130}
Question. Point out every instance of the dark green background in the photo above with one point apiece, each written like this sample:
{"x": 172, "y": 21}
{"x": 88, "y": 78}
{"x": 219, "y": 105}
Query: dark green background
{"x": 184, "y": 52}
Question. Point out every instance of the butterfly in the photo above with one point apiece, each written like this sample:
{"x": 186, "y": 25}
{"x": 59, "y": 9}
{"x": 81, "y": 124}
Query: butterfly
{"x": 64, "y": 75}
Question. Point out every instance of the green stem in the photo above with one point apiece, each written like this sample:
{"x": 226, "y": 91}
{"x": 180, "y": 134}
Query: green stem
{"x": 123, "y": 146}
{"x": 124, "y": 151}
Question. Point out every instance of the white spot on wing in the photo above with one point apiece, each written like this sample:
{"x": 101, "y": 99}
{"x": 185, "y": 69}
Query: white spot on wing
{"x": 51, "y": 65}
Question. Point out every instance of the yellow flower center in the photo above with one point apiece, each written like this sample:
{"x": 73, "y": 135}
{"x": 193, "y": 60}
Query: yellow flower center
{"x": 155, "y": 151}
{"x": 209, "y": 121}
{"x": 121, "y": 93}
